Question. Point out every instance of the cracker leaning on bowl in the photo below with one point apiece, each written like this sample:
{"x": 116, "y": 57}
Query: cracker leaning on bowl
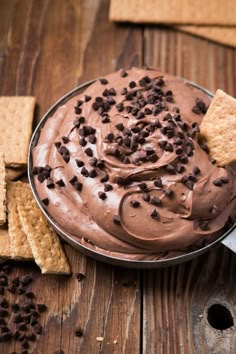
{"x": 218, "y": 128}
{"x": 38, "y": 236}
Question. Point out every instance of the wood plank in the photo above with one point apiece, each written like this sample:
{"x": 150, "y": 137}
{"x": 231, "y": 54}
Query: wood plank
{"x": 53, "y": 46}
{"x": 176, "y": 300}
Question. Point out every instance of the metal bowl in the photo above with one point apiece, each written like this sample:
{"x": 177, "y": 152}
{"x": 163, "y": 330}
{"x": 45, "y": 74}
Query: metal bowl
{"x": 145, "y": 264}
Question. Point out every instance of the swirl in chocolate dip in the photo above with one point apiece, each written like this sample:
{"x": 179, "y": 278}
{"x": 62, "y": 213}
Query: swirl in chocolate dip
{"x": 120, "y": 168}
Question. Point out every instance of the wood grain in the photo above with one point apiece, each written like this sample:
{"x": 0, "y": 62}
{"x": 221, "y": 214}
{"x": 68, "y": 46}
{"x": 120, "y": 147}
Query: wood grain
{"x": 47, "y": 48}
{"x": 176, "y": 300}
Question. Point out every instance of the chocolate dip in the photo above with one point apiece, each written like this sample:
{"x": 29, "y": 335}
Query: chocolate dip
{"x": 120, "y": 167}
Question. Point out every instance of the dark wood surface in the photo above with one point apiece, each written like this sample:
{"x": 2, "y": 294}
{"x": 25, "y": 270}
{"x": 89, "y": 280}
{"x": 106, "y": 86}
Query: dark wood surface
{"x": 47, "y": 47}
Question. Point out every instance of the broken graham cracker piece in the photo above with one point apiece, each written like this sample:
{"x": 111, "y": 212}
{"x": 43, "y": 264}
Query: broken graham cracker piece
{"x": 45, "y": 244}
{"x": 5, "y": 251}
{"x": 218, "y": 127}
{"x": 16, "y": 117}
{"x": 2, "y": 190}
{"x": 20, "y": 247}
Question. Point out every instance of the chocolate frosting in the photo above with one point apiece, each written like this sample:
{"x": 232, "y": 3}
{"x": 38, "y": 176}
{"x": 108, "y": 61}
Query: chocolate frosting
{"x": 123, "y": 171}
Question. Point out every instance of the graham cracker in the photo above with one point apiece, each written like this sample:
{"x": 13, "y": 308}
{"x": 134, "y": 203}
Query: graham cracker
{"x": 221, "y": 34}
{"x": 5, "y": 251}
{"x": 45, "y": 244}
{"x": 2, "y": 190}
{"x": 16, "y": 117}
{"x": 218, "y": 127}
{"x": 212, "y": 12}
{"x": 20, "y": 247}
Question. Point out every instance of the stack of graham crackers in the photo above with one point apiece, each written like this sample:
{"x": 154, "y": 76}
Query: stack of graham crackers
{"x": 214, "y": 19}
{"x": 24, "y": 231}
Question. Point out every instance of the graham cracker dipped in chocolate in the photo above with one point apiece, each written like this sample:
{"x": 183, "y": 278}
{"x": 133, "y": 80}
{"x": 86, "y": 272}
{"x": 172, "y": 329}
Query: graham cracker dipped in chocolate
{"x": 218, "y": 127}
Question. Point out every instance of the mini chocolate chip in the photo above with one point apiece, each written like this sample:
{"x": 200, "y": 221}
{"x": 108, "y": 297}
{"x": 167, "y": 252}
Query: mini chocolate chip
{"x": 79, "y": 276}
{"x": 89, "y": 152}
{"x": 184, "y": 179}
{"x": 87, "y": 98}
{"x": 79, "y": 163}
{"x": 5, "y": 337}
{"x": 132, "y": 84}
{"x": 170, "y": 169}
{"x": 110, "y": 137}
{"x": 93, "y": 173}
{"x": 3, "y": 281}
{"x": 2, "y": 290}
{"x": 153, "y": 158}
{"x": 73, "y": 180}
{"x": 123, "y": 73}
{"x": 50, "y": 183}
{"x": 155, "y": 214}
{"x": 120, "y": 107}
{"x": 169, "y": 147}
{"x": 192, "y": 178}
{"x": 45, "y": 201}
{"x": 134, "y": 203}
{"x": 30, "y": 295}
{"x": 4, "y": 303}
{"x": 84, "y": 172}
{"x": 124, "y": 91}
{"x": 179, "y": 168}
{"x": 105, "y": 178}
{"x": 17, "y": 318}
{"x": 162, "y": 144}
{"x": 22, "y": 327}
{"x": 168, "y": 192}
{"x": 155, "y": 201}
{"x": 102, "y": 195}
{"x": 103, "y": 81}
{"x": 3, "y": 313}
{"x": 107, "y": 187}
{"x": 93, "y": 161}
{"x": 106, "y": 119}
{"x": 183, "y": 159}
{"x": 120, "y": 126}
{"x": 78, "y": 110}
{"x": 122, "y": 181}
{"x": 116, "y": 219}
{"x": 225, "y": 180}
{"x": 38, "y": 329}
{"x": 92, "y": 139}
{"x": 100, "y": 164}
{"x": 218, "y": 182}
{"x": 196, "y": 170}
{"x": 146, "y": 197}
{"x": 41, "y": 177}
{"x": 189, "y": 184}
{"x": 158, "y": 182}
{"x": 65, "y": 139}
{"x": 140, "y": 115}
{"x": 78, "y": 186}
{"x": 32, "y": 337}
{"x": 79, "y": 332}
{"x": 15, "y": 308}
{"x": 20, "y": 290}
{"x": 66, "y": 158}
{"x": 143, "y": 187}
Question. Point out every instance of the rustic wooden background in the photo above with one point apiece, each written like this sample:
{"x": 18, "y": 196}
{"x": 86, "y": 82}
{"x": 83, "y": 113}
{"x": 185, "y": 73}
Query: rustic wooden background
{"x": 47, "y": 47}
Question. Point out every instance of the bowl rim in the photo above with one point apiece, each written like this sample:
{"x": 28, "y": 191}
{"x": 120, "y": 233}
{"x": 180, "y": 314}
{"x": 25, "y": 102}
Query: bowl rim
{"x": 96, "y": 254}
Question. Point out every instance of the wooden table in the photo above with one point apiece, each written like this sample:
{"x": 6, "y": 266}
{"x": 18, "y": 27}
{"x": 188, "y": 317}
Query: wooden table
{"x": 47, "y": 47}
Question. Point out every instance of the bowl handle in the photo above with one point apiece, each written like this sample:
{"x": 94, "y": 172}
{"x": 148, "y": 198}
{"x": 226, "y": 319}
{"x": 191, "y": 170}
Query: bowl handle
{"x": 230, "y": 241}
